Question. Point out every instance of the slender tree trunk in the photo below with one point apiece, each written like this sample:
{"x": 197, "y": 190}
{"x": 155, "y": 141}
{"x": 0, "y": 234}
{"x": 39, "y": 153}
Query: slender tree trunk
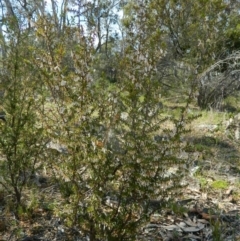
{"x": 12, "y": 15}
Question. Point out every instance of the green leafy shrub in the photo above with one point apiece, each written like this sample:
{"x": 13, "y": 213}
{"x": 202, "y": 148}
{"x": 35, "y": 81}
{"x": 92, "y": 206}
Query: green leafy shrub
{"x": 21, "y": 140}
{"x": 113, "y": 166}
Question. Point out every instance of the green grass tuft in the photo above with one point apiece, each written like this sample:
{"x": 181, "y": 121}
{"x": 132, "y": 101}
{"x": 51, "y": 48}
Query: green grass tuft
{"x": 219, "y": 184}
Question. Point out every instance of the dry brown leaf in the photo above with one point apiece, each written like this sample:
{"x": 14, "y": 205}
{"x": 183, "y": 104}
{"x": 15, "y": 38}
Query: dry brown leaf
{"x": 203, "y": 221}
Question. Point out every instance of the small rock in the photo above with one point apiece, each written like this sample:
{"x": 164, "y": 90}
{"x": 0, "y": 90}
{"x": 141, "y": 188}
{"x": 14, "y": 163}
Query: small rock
{"x": 208, "y": 127}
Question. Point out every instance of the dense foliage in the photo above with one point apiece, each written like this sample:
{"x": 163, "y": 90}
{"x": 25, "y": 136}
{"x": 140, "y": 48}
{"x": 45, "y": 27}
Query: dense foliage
{"x": 82, "y": 87}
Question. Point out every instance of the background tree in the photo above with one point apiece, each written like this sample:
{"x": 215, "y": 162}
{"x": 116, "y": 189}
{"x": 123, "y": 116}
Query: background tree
{"x": 194, "y": 35}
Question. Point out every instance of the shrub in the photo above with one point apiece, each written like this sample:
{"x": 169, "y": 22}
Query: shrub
{"x": 21, "y": 140}
{"x": 113, "y": 167}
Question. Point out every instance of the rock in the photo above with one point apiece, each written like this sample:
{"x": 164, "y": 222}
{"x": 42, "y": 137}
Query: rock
{"x": 114, "y": 143}
{"x": 58, "y": 147}
{"x": 113, "y": 138}
{"x": 233, "y": 125}
{"x": 208, "y": 127}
